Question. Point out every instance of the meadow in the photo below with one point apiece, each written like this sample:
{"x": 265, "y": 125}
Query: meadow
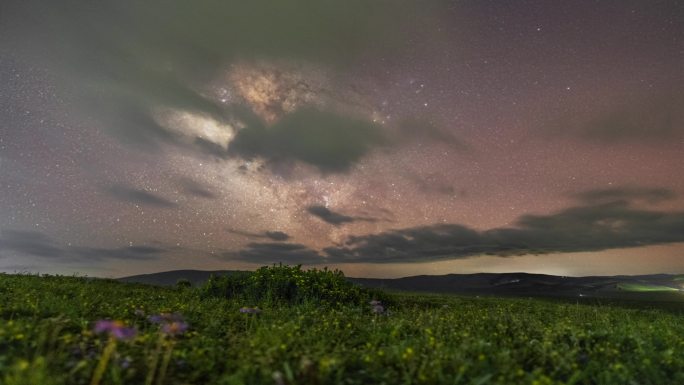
{"x": 282, "y": 325}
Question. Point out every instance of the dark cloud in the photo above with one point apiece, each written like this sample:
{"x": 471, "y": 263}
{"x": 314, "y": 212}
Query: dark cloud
{"x": 330, "y": 142}
{"x": 331, "y": 217}
{"x": 37, "y": 244}
{"x": 267, "y": 253}
{"x": 278, "y": 236}
{"x": 650, "y": 195}
{"x": 334, "y": 218}
{"x": 131, "y": 195}
{"x": 201, "y": 34}
{"x": 194, "y": 188}
{"x": 30, "y": 242}
{"x": 583, "y": 228}
{"x": 129, "y": 57}
{"x": 210, "y": 148}
{"x": 411, "y": 245}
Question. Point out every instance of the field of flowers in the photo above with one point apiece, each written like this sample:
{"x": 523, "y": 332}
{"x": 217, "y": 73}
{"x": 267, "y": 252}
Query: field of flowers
{"x": 282, "y": 325}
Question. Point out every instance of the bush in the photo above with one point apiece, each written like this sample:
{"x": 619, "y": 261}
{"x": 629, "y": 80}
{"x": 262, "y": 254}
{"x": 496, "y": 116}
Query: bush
{"x": 282, "y": 284}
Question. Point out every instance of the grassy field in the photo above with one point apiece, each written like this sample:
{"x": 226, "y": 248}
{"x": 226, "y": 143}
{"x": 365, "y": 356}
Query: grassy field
{"x": 644, "y": 287}
{"x": 55, "y": 330}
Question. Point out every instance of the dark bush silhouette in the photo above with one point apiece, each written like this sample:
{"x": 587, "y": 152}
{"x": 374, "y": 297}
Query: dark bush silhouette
{"x": 183, "y": 283}
{"x": 282, "y": 284}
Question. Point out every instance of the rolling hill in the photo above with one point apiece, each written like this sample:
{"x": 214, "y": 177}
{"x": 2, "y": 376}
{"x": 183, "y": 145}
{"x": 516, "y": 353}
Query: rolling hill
{"x": 652, "y": 287}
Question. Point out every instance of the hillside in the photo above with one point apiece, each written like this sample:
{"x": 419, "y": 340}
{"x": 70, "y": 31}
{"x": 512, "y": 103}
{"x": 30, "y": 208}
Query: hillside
{"x": 663, "y": 287}
{"x": 66, "y": 330}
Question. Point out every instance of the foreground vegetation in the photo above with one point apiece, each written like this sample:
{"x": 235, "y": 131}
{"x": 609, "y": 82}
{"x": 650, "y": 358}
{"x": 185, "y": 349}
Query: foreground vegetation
{"x": 282, "y": 325}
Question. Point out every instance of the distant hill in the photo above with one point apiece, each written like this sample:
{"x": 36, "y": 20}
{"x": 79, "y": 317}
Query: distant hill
{"x": 657, "y": 286}
{"x": 168, "y": 278}
{"x": 652, "y": 287}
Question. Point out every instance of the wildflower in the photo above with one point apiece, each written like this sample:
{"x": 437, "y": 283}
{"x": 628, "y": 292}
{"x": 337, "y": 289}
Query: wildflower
{"x": 377, "y": 307}
{"x": 171, "y": 323}
{"x": 116, "y": 329}
{"x": 163, "y": 318}
{"x": 250, "y": 310}
{"x": 174, "y": 328}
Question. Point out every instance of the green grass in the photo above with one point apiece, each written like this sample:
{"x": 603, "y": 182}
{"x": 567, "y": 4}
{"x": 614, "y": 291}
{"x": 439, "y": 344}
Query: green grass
{"x": 645, "y": 287}
{"x": 46, "y": 338}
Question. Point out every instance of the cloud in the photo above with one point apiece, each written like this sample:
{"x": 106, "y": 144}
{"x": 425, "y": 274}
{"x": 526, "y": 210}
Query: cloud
{"x": 324, "y": 214}
{"x": 30, "y": 242}
{"x": 328, "y": 141}
{"x": 267, "y": 253}
{"x": 655, "y": 119}
{"x": 38, "y": 244}
{"x": 160, "y": 73}
{"x": 593, "y": 227}
{"x": 419, "y": 244}
{"x": 131, "y": 195}
{"x": 130, "y": 58}
{"x": 277, "y": 236}
{"x": 649, "y": 195}
{"x": 194, "y": 188}
{"x": 201, "y": 34}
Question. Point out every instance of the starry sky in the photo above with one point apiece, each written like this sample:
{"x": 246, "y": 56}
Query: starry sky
{"x": 386, "y": 138}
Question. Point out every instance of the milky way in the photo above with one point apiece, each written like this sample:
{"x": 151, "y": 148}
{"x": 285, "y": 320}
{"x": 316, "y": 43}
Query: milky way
{"x": 385, "y": 139}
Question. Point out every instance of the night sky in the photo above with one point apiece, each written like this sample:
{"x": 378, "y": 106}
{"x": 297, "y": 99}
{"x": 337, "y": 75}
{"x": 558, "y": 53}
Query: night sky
{"x": 385, "y": 138}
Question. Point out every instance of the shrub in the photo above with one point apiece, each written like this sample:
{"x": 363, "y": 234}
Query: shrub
{"x": 282, "y": 284}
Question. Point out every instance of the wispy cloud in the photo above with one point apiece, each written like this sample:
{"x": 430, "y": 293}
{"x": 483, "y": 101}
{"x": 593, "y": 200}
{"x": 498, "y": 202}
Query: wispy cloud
{"x": 333, "y": 218}
{"x": 37, "y": 244}
{"x": 131, "y": 195}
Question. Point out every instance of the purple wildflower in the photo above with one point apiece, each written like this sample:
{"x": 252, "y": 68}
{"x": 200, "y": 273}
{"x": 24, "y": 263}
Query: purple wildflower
{"x": 163, "y": 318}
{"x": 377, "y": 307}
{"x": 171, "y": 323}
{"x": 115, "y": 329}
{"x": 250, "y": 310}
{"x": 174, "y": 328}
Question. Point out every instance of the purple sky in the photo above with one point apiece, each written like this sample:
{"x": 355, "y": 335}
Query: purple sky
{"x": 386, "y": 139}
